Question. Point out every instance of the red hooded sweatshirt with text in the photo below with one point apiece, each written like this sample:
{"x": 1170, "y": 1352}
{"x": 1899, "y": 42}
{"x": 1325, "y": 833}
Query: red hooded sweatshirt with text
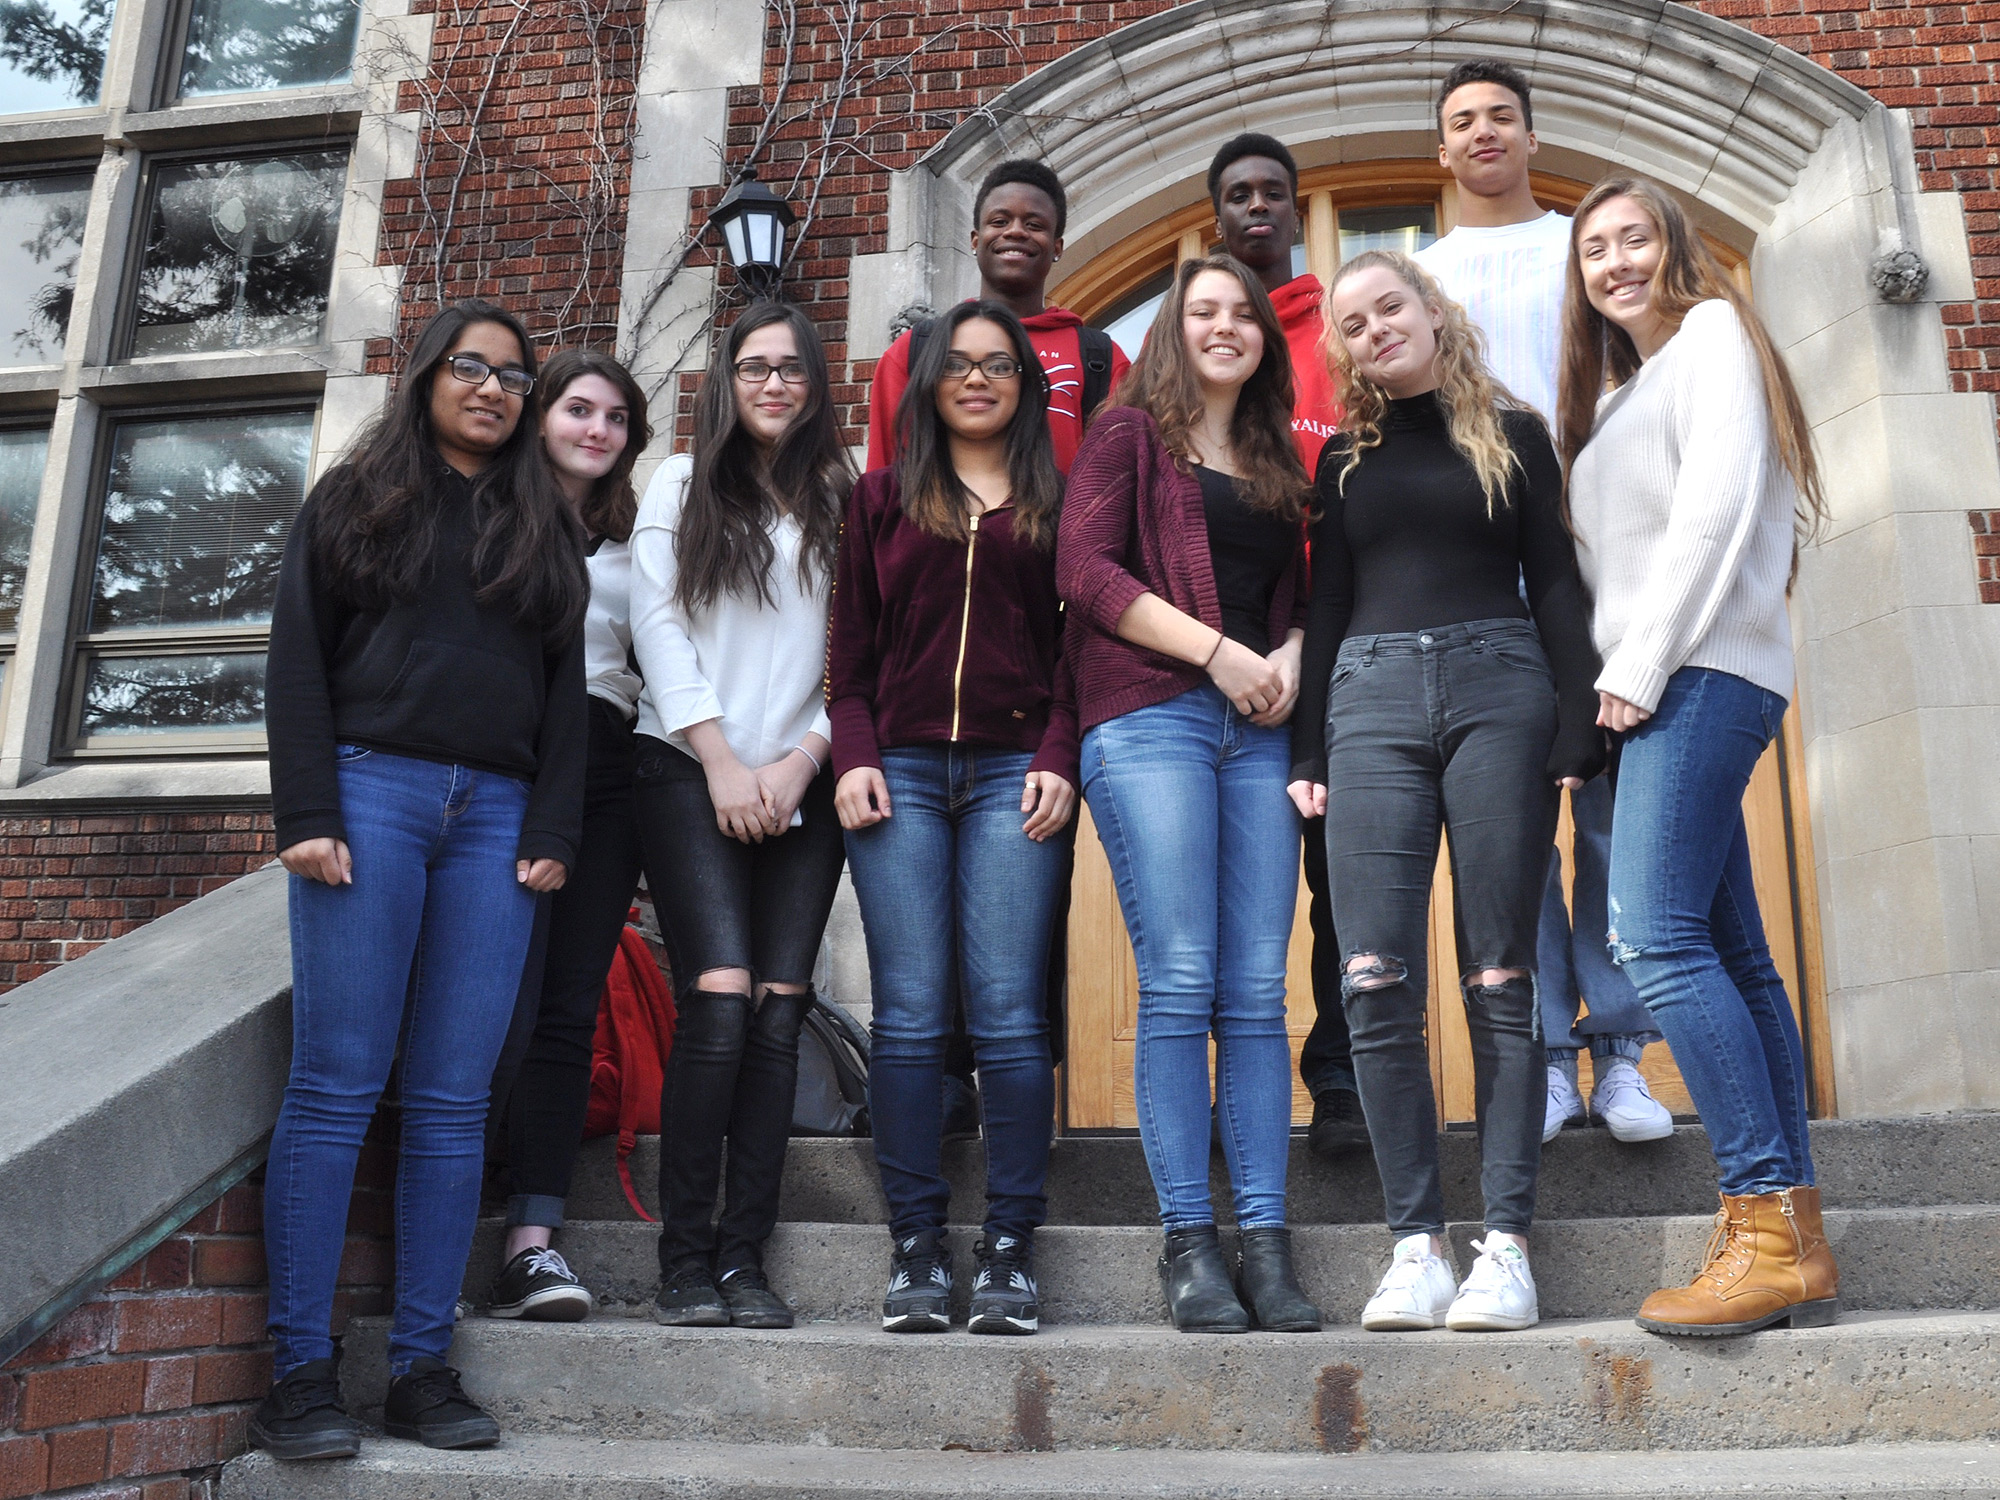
{"x": 1315, "y": 409}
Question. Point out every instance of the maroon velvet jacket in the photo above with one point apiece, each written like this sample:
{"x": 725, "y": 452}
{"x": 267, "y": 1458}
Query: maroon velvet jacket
{"x": 1132, "y": 524}
{"x": 935, "y": 641}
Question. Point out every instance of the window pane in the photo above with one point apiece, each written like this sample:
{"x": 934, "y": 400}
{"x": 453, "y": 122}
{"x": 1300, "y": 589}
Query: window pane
{"x": 41, "y": 231}
{"x": 234, "y": 45}
{"x": 155, "y": 694}
{"x": 239, "y": 253}
{"x": 195, "y": 517}
{"x": 51, "y": 53}
{"x": 22, "y": 455}
{"x": 1407, "y": 227}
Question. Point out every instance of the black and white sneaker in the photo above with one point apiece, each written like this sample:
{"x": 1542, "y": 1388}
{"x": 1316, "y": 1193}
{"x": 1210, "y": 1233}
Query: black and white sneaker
{"x": 538, "y": 1285}
{"x": 1003, "y": 1293}
{"x": 919, "y": 1296}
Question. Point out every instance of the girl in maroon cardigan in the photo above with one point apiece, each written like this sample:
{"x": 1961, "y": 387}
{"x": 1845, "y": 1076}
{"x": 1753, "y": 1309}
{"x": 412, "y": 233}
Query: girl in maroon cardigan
{"x": 954, "y": 738}
{"x": 1181, "y": 562}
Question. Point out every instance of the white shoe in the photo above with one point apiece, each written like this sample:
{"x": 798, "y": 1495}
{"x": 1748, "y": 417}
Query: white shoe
{"x": 1415, "y": 1292}
{"x": 1565, "y": 1103}
{"x": 1500, "y": 1292}
{"x": 1621, "y": 1099}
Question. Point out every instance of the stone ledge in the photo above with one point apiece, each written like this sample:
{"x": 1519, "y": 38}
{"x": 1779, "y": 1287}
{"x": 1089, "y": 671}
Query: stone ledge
{"x": 119, "y": 785}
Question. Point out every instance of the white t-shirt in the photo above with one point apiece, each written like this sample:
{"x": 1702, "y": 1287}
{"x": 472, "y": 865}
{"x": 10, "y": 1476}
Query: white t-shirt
{"x": 1509, "y": 279}
{"x": 607, "y": 628}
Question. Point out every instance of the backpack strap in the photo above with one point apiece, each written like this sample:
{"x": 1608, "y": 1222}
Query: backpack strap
{"x": 1094, "y": 346}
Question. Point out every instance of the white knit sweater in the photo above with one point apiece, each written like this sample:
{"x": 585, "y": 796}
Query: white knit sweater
{"x": 1683, "y": 510}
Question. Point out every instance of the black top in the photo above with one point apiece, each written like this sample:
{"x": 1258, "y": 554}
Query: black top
{"x": 1410, "y": 546}
{"x": 442, "y": 677}
{"x": 1249, "y": 552}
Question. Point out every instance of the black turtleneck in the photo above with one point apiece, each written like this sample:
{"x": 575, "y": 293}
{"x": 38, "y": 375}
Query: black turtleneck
{"x": 1409, "y": 546}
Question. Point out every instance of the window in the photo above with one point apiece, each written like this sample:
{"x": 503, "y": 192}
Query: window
{"x": 52, "y": 53}
{"x": 41, "y": 236}
{"x": 23, "y": 455}
{"x": 1407, "y": 227}
{"x": 238, "y": 45}
{"x": 239, "y": 254}
{"x": 195, "y": 515}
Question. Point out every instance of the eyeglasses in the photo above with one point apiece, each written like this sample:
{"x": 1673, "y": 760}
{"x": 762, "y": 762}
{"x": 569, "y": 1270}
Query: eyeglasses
{"x": 757, "y": 371}
{"x": 474, "y": 371}
{"x": 994, "y": 366}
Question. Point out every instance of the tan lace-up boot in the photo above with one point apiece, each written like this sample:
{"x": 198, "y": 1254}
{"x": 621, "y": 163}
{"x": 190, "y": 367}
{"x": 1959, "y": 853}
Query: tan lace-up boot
{"x": 1768, "y": 1262}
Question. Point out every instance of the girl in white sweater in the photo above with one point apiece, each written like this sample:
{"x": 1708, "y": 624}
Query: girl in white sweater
{"x": 1687, "y": 484}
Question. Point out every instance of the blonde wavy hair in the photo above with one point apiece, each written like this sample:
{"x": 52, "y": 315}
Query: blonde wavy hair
{"x": 1472, "y": 399}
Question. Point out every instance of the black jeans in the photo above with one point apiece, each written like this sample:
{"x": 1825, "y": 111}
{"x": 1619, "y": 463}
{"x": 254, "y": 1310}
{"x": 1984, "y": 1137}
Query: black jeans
{"x": 1450, "y": 726}
{"x": 1327, "y": 1059}
{"x": 734, "y": 1070}
{"x": 576, "y": 938}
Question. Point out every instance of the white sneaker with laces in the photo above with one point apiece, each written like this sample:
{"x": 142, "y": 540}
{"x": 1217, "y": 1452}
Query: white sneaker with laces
{"x": 1627, "y": 1107}
{"x": 1565, "y": 1103}
{"x": 1499, "y": 1294}
{"x": 1415, "y": 1292}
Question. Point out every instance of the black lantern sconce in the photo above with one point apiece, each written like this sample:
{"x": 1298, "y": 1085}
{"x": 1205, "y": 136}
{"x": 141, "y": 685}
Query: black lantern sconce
{"x": 753, "y": 220}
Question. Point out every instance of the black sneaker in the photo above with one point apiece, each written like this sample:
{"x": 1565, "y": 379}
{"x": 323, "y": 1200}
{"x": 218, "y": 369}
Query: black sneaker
{"x": 1003, "y": 1293}
{"x": 538, "y": 1285}
{"x": 919, "y": 1296}
{"x": 302, "y": 1416}
{"x": 689, "y": 1299}
{"x": 1338, "y": 1126}
{"x": 429, "y": 1405}
{"x": 752, "y": 1303}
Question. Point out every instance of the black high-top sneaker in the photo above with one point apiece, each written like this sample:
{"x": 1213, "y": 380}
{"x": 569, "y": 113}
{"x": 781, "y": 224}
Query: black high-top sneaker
{"x": 919, "y": 1295}
{"x": 302, "y": 1416}
{"x": 1003, "y": 1293}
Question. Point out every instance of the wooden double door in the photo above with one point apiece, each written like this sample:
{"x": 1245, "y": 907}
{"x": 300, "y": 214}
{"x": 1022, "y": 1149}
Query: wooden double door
{"x": 1103, "y": 1013}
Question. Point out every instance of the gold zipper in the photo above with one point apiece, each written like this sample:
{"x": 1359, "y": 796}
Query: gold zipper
{"x": 964, "y": 623}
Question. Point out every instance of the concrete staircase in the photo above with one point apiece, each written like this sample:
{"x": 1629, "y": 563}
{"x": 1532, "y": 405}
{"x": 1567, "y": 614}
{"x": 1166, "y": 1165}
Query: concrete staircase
{"x": 1901, "y": 1398}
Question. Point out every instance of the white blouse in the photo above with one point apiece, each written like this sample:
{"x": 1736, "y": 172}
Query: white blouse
{"x": 607, "y": 628}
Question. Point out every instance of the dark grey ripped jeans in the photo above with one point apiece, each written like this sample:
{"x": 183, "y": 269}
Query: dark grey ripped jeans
{"x": 1449, "y": 727}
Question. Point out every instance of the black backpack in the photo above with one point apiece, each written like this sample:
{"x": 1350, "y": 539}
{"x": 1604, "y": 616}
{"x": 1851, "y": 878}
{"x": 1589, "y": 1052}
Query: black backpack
{"x": 1093, "y": 345}
{"x": 832, "y": 1097}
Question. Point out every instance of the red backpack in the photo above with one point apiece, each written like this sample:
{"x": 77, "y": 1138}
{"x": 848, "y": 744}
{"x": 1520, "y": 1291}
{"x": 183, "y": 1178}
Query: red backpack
{"x": 628, "y": 1064}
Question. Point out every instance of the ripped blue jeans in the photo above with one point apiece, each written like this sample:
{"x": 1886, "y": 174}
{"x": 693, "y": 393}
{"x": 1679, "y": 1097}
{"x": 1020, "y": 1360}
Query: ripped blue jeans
{"x": 1686, "y": 930}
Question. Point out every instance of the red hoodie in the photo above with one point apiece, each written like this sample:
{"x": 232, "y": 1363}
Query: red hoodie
{"x": 1054, "y": 331}
{"x": 1315, "y": 409}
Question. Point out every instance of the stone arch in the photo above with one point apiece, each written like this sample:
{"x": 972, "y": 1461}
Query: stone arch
{"x": 1898, "y": 662}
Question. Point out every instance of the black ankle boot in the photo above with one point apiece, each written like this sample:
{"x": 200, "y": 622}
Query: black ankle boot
{"x": 1196, "y": 1281}
{"x": 1269, "y": 1284}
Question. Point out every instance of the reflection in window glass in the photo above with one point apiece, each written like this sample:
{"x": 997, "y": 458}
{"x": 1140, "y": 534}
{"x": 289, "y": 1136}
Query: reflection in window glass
{"x": 22, "y": 455}
{"x": 41, "y": 233}
{"x": 233, "y": 45}
{"x": 154, "y": 694}
{"x": 1128, "y": 318}
{"x": 1407, "y": 227}
{"x": 51, "y": 53}
{"x": 239, "y": 253}
{"x": 195, "y": 518}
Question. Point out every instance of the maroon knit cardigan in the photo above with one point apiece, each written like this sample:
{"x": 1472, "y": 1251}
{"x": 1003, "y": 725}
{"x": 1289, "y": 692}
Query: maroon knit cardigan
{"x": 1132, "y": 524}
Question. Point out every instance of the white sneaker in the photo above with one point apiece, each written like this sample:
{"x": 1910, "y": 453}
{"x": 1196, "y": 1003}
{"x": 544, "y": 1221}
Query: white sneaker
{"x": 1415, "y": 1292}
{"x": 1565, "y": 1103}
{"x": 1621, "y": 1099}
{"x": 1500, "y": 1292}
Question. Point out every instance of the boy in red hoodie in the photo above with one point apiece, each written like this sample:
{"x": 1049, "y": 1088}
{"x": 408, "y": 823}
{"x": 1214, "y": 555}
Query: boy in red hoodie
{"x": 1254, "y": 185}
{"x": 1018, "y": 220}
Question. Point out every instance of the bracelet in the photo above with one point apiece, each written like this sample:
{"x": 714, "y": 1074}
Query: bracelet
{"x": 817, "y": 767}
{"x": 1206, "y": 660}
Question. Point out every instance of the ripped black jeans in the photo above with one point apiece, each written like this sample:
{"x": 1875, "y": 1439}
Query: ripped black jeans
{"x": 1449, "y": 727}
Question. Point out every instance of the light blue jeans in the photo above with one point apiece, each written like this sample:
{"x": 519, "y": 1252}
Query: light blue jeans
{"x": 1573, "y": 963}
{"x": 1189, "y": 801}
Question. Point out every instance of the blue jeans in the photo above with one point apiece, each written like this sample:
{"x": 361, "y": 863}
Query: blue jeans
{"x": 1685, "y": 928}
{"x": 427, "y": 946}
{"x": 949, "y": 884}
{"x": 1573, "y": 963}
{"x": 1189, "y": 800}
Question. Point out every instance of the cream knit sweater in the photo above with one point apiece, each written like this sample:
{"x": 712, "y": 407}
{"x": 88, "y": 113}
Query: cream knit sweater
{"x": 1683, "y": 511}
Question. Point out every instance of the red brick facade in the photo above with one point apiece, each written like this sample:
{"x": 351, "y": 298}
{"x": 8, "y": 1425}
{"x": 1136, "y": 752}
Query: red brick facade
{"x": 1986, "y": 552}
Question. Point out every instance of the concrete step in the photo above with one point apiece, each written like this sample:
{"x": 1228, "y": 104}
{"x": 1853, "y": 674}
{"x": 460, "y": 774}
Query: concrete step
{"x": 1584, "y": 1268}
{"x": 568, "y": 1468}
{"x": 1932, "y": 1159}
{"x": 1565, "y": 1386}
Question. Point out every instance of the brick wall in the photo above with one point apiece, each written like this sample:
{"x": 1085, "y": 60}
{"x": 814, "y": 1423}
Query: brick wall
{"x": 71, "y": 882}
{"x": 144, "y": 1390}
{"x": 1986, "y": 552}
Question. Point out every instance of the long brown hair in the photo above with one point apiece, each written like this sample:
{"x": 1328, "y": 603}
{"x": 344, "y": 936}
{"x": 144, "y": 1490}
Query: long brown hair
{"x": 1472, "y": 399}
{"x": 611, "y": 505}
{"x": 722, "y": 544}
{"x": 1598, "y": 354}
{"x": 375, "y": 533}
{"x": 934, "y": 497}
{"x": 1163, "y": 384}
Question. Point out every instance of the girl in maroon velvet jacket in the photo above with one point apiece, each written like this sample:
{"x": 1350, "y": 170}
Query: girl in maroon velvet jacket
{"x": 954, "y": 738}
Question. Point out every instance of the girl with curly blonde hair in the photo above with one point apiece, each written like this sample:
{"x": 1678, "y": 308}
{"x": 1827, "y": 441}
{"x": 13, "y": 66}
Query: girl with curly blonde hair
{"x": 1435, "y": 697}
